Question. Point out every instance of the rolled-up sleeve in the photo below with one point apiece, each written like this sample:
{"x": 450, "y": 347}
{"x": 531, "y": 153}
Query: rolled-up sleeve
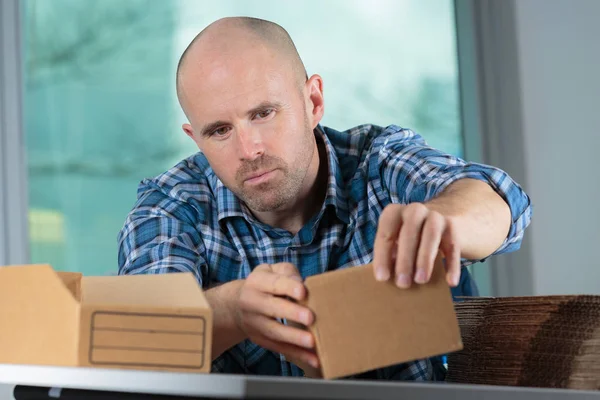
{"x": 414, "y": 172}
{"x": 159, "y": 236}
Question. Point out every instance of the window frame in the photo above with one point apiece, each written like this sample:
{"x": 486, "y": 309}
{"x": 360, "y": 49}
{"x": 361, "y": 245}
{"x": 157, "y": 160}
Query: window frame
{"x": 14, "y": 243}
{"x": 492, "y": 118}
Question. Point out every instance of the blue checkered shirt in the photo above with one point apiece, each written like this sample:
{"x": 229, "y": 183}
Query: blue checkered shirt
{"x": 186, "y": 220}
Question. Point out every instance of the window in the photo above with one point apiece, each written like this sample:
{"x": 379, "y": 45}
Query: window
{"x": 101, "y": 111}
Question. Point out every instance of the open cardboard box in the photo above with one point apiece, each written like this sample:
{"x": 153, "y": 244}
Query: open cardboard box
{"x": 362, "y": 324}
{"x": 152, "y": 322}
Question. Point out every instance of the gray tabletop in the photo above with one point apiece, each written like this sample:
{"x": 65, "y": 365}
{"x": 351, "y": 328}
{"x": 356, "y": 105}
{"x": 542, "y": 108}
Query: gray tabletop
{"x": 251, "y": 387}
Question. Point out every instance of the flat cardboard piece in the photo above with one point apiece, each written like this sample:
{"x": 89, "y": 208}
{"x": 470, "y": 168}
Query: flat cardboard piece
{"x": 362, "y": 324}
{"x": 152, "y": 322}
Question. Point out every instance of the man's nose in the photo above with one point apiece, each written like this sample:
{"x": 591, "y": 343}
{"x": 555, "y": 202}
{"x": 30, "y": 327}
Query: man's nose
{"x": 250, "y": 143}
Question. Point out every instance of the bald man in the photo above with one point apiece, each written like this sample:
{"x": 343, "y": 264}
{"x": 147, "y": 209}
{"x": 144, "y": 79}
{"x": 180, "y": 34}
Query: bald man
{"x": 273, "y": 197}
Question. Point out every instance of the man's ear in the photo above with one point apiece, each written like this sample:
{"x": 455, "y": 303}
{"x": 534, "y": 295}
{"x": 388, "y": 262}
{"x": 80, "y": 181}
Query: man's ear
{"x": 187, "y": 128}
{"x": 315, "y": 101}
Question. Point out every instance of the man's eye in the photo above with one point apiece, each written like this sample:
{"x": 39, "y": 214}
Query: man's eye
{"x": 220, "y": 131}
{"x": 264, "y": 114}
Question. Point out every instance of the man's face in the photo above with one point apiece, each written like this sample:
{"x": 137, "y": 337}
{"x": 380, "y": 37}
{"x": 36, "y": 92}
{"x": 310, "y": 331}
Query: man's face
{"x": 250, "y": 121}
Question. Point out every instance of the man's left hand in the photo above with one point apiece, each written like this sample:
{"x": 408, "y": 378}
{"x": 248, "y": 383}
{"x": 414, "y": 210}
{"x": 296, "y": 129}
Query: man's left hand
{"x": 407, "y": 243}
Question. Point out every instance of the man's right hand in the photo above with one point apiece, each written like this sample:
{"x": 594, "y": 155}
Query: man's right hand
{"x": 262, "y": 298}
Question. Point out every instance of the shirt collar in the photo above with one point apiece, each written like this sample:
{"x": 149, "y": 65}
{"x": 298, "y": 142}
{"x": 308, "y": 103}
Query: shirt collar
{"x": 335, "y": 196}
{"x": 229, "y": 205}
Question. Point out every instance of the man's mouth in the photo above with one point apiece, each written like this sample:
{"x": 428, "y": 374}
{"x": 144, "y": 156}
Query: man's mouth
{"x": 259, "y": 177}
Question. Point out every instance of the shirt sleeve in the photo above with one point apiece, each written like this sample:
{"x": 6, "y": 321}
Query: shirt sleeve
{"x": 160, "y": 236}
{"x": 414, "y": 172}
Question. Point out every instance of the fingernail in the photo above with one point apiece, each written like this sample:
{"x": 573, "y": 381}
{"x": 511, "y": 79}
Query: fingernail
{"x": 421, "y": 276}
{"x": 381, "y": 274}
{"x": 308, "y": 342}
{"x": 304, "y": 316}
{"x": 453, "y": 280}
{"x": 296, "y": 278}
{"x": 313, "y": 363}
{"x": 456, "y": 279}
{"x": 403, "y": 281}
{"x": 298, "y": 292}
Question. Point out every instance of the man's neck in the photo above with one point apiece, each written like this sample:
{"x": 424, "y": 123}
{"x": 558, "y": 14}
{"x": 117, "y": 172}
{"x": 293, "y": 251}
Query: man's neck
{"x": 296, "y": 215}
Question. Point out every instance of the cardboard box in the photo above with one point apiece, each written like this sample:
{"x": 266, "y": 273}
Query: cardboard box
{"x": 362, "y": 324}
{"x": 150, "y": 322}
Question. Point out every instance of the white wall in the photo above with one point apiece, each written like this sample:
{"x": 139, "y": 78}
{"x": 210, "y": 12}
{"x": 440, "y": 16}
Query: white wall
{"x": 558, "y": 44}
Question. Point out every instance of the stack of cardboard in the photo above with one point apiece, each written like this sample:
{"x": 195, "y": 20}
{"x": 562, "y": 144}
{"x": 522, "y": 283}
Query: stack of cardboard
{"x": 541, "y": 341}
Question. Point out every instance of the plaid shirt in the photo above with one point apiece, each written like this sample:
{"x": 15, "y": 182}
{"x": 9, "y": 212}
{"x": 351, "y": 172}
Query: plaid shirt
{"x": 186, "y": 220}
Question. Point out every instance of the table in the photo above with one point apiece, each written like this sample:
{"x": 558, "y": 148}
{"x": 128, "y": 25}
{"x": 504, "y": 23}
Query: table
{"x": 222, "y": 386}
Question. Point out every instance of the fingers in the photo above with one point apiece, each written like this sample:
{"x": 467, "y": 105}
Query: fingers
{"x": 265, "y": 280}
{"x": 296, "y": 354}
{"x": 452, "y": 253}
{"x": 287, "y": 269}
{"x": 275, "y": 307}
{"x": 277, "y": 332}
{"x": 268, "y": 294}
{"x": 409, "y": 240}
{"x": 431, "y": 237}
{"x": 388, "y": 228}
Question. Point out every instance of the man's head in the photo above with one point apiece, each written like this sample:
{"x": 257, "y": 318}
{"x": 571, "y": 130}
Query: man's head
{"x": 252, "y": 110}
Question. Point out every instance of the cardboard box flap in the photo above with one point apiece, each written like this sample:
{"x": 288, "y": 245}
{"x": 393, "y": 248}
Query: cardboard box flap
{"x": 179, "y": 290}
{"x": 39, "y": 317}
{"x": 362, "y": 324}
{"x": 26, "y": 278}
{"x": 72, "y": 281}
